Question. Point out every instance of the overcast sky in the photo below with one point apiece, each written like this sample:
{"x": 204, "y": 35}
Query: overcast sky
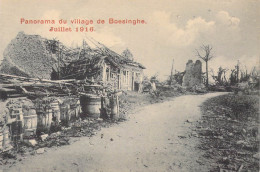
{"x": 174, "y": 29}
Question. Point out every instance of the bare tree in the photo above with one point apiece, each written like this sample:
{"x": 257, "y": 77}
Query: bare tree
{"x": 206, "y": 56}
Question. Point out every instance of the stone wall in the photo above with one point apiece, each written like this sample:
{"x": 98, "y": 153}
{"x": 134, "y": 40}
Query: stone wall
{"x": 27, "y": 55}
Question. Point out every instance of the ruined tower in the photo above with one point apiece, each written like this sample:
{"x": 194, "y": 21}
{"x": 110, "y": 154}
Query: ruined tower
{"x": 193, "y": 74}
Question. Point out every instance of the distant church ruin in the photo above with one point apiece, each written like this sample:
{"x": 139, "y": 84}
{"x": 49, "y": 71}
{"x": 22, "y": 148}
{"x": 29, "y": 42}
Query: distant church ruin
{"x": 193, "y": 74}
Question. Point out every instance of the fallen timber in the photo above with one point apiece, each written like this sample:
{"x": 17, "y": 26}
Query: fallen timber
{"x": 10, "y": 84}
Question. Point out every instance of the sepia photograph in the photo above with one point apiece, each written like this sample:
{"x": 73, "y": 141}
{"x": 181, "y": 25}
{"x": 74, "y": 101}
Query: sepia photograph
{"x": 129, "y": 85}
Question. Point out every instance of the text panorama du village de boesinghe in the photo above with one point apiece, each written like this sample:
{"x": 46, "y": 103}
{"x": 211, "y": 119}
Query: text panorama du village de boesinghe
{"x": 80, "y": 23}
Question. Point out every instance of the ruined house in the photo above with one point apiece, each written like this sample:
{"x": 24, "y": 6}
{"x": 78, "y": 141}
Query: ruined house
{"x": 193, "y": 74}
{"x": 102, "y": 65}
{"x": 37, "y": 57}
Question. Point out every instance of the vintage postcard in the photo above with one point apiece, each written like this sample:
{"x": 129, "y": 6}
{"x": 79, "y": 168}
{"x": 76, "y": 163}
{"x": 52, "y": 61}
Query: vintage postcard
{"x": 129, "y": 85}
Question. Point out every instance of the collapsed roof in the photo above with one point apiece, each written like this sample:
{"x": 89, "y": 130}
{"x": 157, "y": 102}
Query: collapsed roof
{"x": 34, "y": 56}
{"x": 88, "y": 61}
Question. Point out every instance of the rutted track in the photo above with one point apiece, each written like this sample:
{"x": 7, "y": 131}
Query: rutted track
{"x": 154, "y": 139}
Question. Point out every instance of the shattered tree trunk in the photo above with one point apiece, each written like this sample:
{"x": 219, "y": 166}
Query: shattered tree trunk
{"x": 207, "y": 75}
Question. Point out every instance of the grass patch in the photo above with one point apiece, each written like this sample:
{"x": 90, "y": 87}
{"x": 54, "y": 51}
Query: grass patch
{"x": 228, "y": 131}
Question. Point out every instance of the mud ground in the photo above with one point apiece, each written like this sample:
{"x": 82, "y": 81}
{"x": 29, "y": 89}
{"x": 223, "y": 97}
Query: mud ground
{"x": 155, "y": 138}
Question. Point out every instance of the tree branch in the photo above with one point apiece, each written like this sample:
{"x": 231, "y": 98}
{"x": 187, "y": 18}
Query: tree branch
{"x": 199, "y": 56}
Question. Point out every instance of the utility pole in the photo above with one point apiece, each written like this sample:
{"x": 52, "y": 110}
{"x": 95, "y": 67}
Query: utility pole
{"x": 237, "y": 68}
{"x": 58, "y": 60}
{"x": 171, "y": 72}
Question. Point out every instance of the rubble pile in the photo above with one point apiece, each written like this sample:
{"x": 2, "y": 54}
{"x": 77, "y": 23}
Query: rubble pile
{"x": 87, "y": 127}
{"x": 54, "y": 139}
{"x": 229, "y": 132}
{"x": 125, "y": 104}
{"x": 199, "y": 88}
{"x": 171, "y": 91}
{"x": 28, "y": 55}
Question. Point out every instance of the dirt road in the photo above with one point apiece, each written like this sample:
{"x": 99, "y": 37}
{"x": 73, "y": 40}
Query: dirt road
{"x": 157, "y": 138}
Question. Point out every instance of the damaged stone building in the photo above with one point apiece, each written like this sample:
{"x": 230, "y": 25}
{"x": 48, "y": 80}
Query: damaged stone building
{"x": 193, "y": 74}
{"x": 28, "y": 56}
{"x": 37, "y": 57}
{"x": 104, "y": 66}
{"x": 45, "y": 85}
{"x": 126, "y": 76}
